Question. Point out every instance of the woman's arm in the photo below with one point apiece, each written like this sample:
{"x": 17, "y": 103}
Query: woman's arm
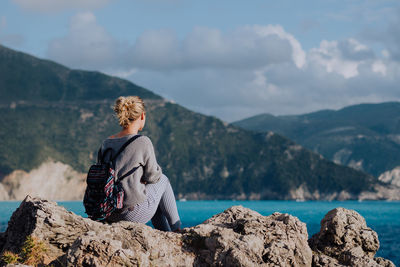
{"x": 151, "y": 170}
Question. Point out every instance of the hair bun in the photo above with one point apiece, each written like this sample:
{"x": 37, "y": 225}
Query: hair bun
{"x": 128, "y": 108}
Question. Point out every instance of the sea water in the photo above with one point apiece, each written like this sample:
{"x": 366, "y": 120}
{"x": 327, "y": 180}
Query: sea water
{"x": 382, "y": 216}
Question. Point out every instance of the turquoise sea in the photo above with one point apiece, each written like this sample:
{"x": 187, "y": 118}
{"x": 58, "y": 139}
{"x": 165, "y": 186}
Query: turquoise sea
{"x": 382, "y": 216}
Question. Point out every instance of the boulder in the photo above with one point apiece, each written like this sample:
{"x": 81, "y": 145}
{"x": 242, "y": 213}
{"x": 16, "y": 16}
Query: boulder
{"x": 76, "y": 241}
{"x": 236, "y": 237}
{"x": 242, "y": 237}
{"x": 345, "y": 239}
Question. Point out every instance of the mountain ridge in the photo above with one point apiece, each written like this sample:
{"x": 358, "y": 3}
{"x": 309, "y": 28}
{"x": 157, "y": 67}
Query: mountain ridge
{"x": 50, "y": 81}
{"x": 203, "y": 156}
{"x": 356, "y": 135}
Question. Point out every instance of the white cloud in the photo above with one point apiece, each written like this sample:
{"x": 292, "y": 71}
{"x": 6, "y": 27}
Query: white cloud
{"x": 87, "y": 45}
{"x": 244, "y": 48}
{"x": 352, "y": 49}
{"x": 155, "y": 50}
{"x": 59, "y": 5}
{"x": 341, "y": 57}
{"x": 297, "y": 52}
{"x": 235, "y": 74}
{"x": 328, "y": 56}
{"x": 282, "y": 88}
{"x": 379, "y": 67}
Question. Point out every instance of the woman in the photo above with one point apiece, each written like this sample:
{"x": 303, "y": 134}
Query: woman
{"x": 148, "y": 192}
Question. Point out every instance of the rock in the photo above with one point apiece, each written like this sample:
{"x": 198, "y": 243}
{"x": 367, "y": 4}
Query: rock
{"x": 345, "y": 239}
{"x": 73, "y": 240}
{"x": 388, "y": 189}
{"x": 323, "y": 260}
{"x": 45, "y": 181}
{"x": 236, "y": 237}
{"x": 242, "y": 237}
{"x": 381, "y": 192}
{"x": 302, "y": 193}
{"x": 384, "y": 262}
{"x": 126, "y": 244}
{"x": 342, "y": 230}
{"x": 2, "y": 240}
{"x": 391, "y": 177}
{"x": 3, "y": 193}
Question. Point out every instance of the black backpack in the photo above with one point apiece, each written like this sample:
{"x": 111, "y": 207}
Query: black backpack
{"x": 104, "y": 193}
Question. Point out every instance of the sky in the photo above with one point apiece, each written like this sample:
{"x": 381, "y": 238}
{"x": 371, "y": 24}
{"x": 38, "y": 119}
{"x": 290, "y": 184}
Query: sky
{"x": 228, "y": 58}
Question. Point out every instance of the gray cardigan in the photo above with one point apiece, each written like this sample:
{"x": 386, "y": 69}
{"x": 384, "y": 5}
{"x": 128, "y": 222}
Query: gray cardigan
{"x": 139, "y": 153}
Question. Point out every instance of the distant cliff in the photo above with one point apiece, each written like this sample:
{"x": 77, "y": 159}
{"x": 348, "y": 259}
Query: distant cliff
{"x": 40, "y": 232}
{"x": 51, "y": 180}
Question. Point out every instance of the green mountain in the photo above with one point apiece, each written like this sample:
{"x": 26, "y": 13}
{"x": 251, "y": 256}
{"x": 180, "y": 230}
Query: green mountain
{"x": 366, "y": 136}
{"x": 51, "y": 112}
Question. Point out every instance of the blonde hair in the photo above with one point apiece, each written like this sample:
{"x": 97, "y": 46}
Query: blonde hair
{"x": 128, "y": 109}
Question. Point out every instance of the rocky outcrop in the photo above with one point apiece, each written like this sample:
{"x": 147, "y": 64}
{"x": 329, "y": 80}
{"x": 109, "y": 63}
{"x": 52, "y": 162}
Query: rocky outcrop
{"x": 236, "y": 237}
{"x": 51, "y": 180}
{"x": 3, "y": 193}
{"x": 388, "y": 192}
{"x": 388, "y": 187}
{"x": 345, "y": 239}
{"x": 302, "y": 193}
{"x": 391, "y": 177}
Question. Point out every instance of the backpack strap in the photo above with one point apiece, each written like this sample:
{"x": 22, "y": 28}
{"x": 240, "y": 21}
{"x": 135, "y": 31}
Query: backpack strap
{"x": 129, "y": 173}
{"x": 127, "y": 143}
{"x": 100, "y": 154}
{"x": 122, "y": 149}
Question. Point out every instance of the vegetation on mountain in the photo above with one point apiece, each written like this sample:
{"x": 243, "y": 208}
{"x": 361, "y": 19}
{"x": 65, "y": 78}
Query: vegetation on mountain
{"x": 365, "y": 136}
{"x": 25, "y": 78}
{"x": 49, "y": 111}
